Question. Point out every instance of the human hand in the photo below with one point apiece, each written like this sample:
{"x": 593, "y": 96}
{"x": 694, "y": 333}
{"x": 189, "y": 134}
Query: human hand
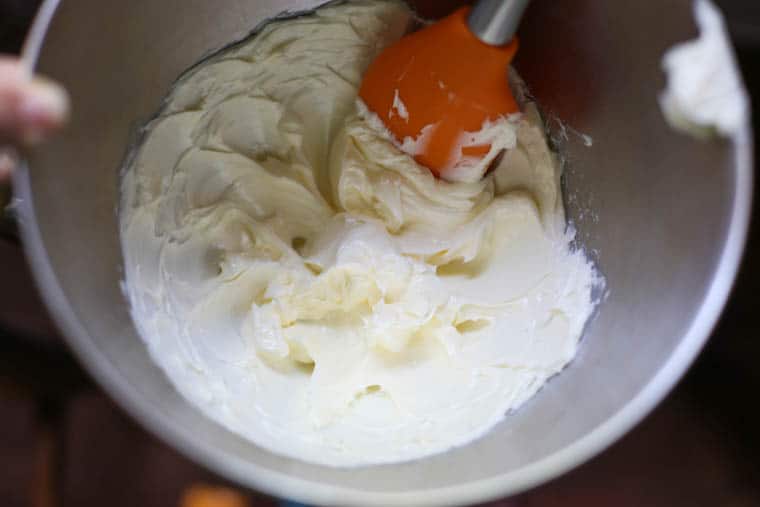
{"x": 31, "y": 108}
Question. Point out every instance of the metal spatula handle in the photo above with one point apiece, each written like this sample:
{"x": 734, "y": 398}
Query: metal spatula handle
{"x": 495, "y": 21}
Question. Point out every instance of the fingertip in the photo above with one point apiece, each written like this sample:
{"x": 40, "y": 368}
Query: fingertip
{"x": 43, "y": 107}
{"x": 7, "y": 163}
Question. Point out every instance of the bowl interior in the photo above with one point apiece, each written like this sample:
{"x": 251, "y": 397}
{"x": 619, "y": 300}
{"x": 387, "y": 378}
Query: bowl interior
{"x": 662, "y": 214}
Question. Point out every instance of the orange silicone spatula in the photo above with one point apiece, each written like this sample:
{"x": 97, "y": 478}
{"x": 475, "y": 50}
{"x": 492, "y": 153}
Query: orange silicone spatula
{"x": 445, "y": 80}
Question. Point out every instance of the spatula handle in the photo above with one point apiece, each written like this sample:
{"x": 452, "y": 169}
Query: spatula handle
{"x": 495, "y": 21}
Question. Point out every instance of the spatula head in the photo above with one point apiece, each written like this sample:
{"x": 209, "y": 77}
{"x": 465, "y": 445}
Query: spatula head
{"x": 438, "y": 83}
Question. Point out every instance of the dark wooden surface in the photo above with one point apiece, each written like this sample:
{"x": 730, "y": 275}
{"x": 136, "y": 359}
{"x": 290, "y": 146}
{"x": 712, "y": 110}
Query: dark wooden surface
{"x": 63, "y": 442}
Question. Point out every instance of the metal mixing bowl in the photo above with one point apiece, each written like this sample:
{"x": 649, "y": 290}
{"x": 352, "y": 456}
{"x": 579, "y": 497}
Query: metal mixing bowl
{"x": 667, "y": 226}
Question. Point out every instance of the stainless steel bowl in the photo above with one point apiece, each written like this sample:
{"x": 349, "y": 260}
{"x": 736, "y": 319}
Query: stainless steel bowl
{"x": 664, "y": 215}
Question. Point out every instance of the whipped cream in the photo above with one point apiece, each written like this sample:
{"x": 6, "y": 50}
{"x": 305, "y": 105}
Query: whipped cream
{"x": 499, "y": 135}
{"x": 305, "y": 283}
{"x": 705, "y": 91}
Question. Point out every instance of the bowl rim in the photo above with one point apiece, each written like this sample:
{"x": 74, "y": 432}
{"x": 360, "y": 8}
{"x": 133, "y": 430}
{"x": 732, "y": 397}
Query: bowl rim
{"x": 507, "y": 484}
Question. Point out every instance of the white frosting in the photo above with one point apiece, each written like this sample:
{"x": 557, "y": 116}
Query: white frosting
{"x": 705, "y": 90}
{"x": 398, "y": 107}
{"x": 307, "y": 284}
{"x": 499, "y": 135}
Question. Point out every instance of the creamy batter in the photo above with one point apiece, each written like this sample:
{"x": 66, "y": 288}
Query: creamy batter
{"x": 705, "y": 94}
{"x": 304, "y": 282}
